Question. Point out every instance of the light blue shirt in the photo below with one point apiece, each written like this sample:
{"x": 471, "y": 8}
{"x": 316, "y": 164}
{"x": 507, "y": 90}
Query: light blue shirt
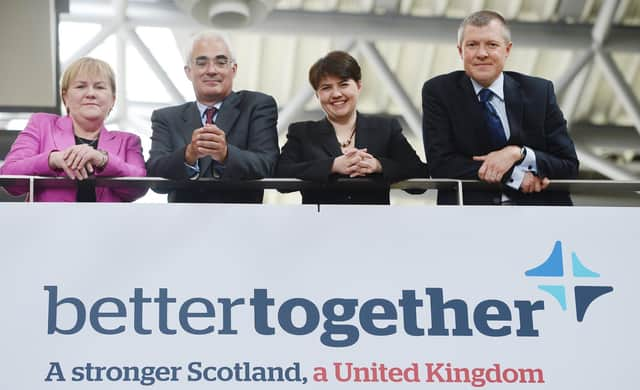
{"x": 497, "y": 101}
{"x": 193, "y": 171}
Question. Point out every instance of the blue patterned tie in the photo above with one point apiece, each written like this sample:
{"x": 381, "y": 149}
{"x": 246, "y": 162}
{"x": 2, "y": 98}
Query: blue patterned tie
{"x": 496, "y": 131}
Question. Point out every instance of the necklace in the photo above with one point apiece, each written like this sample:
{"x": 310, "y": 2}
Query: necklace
{"x": 347, "y": 142}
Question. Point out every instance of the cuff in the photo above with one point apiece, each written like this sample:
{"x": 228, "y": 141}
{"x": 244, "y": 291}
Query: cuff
{"x": 193, "y": 171}
{"x": 529, "y": 163}
{"x": 218, "y": 169}
{"x": 517, "y": 175}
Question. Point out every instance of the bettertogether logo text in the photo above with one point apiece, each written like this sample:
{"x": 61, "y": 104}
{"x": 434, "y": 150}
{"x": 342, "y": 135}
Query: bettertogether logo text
{"x": 343, "y": 319}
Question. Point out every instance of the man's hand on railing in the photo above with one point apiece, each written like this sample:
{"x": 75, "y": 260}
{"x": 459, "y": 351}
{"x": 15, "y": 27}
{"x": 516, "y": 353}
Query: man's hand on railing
{"x": 497, "y": 163}
{"x": 532, "y": 183}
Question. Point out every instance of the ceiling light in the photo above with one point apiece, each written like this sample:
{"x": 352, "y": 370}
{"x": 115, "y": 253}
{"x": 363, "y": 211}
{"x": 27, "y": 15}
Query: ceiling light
{"x": 226, "y": 13}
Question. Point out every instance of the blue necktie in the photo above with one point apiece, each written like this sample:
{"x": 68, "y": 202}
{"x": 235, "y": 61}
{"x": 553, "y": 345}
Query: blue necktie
{"x": 494, "y": 125}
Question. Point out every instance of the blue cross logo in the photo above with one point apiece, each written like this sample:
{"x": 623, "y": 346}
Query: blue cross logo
{"x": 553, "y": 267}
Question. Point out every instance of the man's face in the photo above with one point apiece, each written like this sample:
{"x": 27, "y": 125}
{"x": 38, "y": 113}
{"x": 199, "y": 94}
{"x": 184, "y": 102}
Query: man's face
{"x": 484, "y": 52}
{"x": 211, "y": 70}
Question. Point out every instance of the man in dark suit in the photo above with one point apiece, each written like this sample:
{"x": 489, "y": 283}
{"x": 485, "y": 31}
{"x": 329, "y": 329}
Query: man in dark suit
{"x": 499, "y": 127}
{"x": 223, "y": 134}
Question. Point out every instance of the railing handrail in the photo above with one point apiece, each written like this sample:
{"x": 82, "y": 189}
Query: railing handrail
{"x": 273, "y": 183}
{"x": 291, "y": 184}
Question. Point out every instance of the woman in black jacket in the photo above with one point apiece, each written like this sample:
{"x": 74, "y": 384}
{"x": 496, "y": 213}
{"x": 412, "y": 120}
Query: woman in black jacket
{"x": 346, "y": 143}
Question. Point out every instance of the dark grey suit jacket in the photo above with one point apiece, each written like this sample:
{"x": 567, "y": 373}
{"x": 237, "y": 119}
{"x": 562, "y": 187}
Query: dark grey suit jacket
{"x": 249, "y": 121}
{"x": 454, "y": 130}
{"x": 312, "y": 146}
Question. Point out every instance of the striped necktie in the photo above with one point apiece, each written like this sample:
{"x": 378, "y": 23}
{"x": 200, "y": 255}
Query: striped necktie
{"x": 494, "y": 124}
{"x": 210, "y": 112}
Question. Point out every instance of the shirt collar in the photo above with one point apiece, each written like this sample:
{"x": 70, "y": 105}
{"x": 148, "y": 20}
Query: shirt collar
{"x": 202, "y": 108}
{"x": 497, "y": 87}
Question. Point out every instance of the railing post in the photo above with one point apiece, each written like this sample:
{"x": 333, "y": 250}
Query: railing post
{"x": 31, "y": 188}
{"x": 460, "y": 197}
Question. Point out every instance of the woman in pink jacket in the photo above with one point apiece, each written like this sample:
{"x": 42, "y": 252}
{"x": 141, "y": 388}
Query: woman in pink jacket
{"x": 78, "y": 145}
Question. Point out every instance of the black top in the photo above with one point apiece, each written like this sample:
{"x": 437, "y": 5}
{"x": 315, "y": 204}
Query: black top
{"x": 86, "y": 188}
{"x": 312, "y": 146}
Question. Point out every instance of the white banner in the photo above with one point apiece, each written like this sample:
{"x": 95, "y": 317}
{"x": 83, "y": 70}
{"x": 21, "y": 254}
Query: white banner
{"x": 220, "y": 296}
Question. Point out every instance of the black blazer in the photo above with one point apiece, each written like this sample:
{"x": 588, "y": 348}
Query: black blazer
{"x": 312, "y": 146}
{"x": 249, "y": 122}
{"x": 454, "y": 131}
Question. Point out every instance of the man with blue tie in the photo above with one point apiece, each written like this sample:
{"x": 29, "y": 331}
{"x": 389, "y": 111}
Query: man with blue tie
{"x": 224, "y": 134}
{"x": 496, "y": 126}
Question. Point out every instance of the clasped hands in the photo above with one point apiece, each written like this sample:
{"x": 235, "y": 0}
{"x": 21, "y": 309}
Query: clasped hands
{"x": 497, "y": 163}
{"x": 208, "y": 140}
{"x": 78, "y": 161}
{"x": 356, "y": 162}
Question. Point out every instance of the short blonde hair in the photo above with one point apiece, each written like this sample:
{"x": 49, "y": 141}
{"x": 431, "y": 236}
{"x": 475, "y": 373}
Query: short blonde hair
{"x": 481, "y": 19}
{"x": 90, "y": 66}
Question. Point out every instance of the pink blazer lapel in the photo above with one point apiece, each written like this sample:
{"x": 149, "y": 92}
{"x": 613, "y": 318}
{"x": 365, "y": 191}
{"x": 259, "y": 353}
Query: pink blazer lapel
{"x": 109, "y": 142}
{"x": 63, "y": 134}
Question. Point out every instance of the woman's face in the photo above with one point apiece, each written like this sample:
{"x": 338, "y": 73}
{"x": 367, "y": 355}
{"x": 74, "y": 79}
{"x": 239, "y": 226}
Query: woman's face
{"x": 338, "y": 97}
{"x": 89, "y": 97}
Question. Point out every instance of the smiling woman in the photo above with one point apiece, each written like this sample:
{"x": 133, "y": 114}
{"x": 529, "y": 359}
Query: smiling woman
{"x": 78, "y": 145}
{"x": 346, "y": 143}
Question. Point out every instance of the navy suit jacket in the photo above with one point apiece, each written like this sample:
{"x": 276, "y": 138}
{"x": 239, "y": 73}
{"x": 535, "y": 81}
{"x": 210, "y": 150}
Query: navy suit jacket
{"x": 249, "y": 121}
{"x": 454, "y": 131}
{"x": 312, "y": 146}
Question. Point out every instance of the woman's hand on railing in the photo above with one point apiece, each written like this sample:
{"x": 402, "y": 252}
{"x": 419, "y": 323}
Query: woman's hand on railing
{"x": 78, "y": 161}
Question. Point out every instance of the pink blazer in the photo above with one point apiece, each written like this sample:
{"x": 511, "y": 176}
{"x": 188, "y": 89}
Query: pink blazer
{"x": 45, "y": 133}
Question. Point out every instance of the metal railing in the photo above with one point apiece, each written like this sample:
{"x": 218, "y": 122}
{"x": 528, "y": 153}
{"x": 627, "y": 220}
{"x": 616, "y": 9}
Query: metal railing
{"x": 591, "y": 187}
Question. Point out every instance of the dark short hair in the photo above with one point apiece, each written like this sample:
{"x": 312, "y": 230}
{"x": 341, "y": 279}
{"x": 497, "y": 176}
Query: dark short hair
{"x": 481, "y": 19}
{"x": 338, "y": 64}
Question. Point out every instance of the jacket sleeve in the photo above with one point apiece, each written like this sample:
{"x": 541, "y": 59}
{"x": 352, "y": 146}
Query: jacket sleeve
{"x": 165, "y": 158}
{"x": 444, "y": 160}
{"x": 292, "y": 162}
{"x": 259, "y": 158}
{"x": 26, "y": 156}
{"x": 558, "y": 160}
{"x": 402, "y": 161}
{"x": 127, "y": 163}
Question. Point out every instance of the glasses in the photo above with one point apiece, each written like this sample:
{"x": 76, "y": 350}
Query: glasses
{"x": 219, "y": 62}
